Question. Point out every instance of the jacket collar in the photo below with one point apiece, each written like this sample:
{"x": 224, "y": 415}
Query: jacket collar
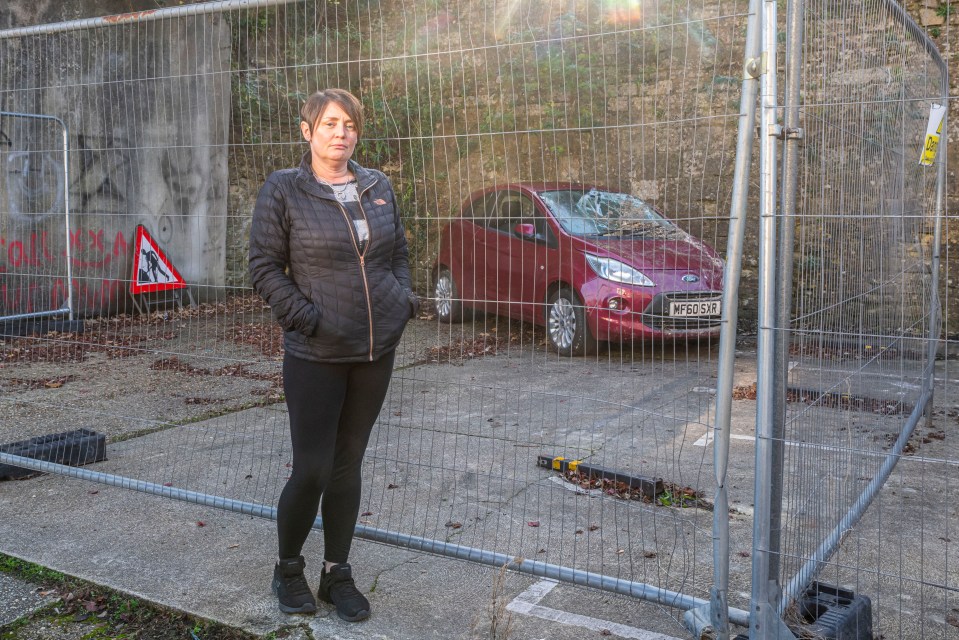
{"x": 307, "y": 181}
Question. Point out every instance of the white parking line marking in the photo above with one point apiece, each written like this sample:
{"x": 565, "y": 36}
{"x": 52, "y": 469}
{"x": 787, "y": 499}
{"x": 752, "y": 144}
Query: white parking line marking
{"x": 528, "y": 603}
{"x": 575, "y": 488}
{"x": 708, "y": 438}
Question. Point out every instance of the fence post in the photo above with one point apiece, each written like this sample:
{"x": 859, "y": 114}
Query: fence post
{"x": 697, "y": 620}
{"x": 791, "y": 135}
{"x": 764, "y": 619}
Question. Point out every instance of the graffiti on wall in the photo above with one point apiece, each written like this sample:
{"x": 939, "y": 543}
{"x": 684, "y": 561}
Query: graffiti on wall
{"x": 101, "y": 179}
{"x": 148, "y": 125}
{"x": 35, "y": 185}
{"x": 35, "y": 243}
{"x": 33, "y": 274}
{"x": 104, "y": 181}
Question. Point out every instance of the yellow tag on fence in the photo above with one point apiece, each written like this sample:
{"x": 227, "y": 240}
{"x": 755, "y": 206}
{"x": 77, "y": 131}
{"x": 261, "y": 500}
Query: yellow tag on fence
{"x": 933, "y": 133}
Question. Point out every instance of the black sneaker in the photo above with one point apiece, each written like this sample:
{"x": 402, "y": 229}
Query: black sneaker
{"x": 290, "y": 587}
{"x": 337, "y": 587}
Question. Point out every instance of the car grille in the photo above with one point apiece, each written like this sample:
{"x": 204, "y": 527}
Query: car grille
{"x": 656, "y": 315}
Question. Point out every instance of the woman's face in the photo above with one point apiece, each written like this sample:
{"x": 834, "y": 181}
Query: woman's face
{"x": 333, "y": 137}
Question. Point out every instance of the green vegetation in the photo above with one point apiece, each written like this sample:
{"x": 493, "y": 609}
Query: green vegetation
{"x": 28, "y": 570}
{"x": 91, "y": 612}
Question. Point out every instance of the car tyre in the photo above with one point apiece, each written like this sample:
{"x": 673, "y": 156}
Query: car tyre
{"x": 566, "y": 327}
{"x": 449, "y": 306}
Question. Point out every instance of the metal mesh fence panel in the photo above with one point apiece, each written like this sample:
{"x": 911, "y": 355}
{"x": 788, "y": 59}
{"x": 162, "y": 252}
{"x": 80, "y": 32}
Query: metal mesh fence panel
{"x": 864, "y": 308}
{"x": 565, "y": 173}
{"x": 35, "y": 283}
{"x": 593, "y": 149}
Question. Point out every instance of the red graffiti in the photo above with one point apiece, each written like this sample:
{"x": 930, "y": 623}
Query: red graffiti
{"x": 91, "y": 252}
{"x": 96, "y": 239}
{"x": 87, "y": 294}
{"x": 119, "y": 245}
{"x": 34, "y": 253}
{"x": 35, "y": 276}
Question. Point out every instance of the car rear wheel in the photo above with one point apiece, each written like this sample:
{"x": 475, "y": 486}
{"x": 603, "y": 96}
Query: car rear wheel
{"x": 449, "y": 307}
{"x": 566, "y": 324}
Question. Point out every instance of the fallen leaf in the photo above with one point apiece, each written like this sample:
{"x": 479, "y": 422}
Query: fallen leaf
{"x": 367, "y": 513}
{"x": 533, "y": 523}
{"x": 593, "y": 527}
{"x": 392, "y": 486}
{"x": 234, "y": 546}
{"x": 952, "y": 618}
{"x": 200, "y": 523}
{"x": 454, "y": 525}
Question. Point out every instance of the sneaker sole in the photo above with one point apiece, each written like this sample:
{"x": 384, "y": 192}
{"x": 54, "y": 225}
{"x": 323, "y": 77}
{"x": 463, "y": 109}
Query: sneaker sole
{"x": 362, "y": 615}
{"x": 306, "y": 608}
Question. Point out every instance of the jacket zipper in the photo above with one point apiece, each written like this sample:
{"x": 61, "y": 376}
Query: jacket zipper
{"x": 362, "y": 256}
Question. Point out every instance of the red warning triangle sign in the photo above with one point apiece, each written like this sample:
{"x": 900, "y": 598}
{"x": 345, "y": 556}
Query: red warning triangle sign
{"x": 152, "y": 270}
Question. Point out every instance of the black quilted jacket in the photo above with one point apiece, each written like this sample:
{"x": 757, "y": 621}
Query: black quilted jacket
{"x": 334, "y": 303}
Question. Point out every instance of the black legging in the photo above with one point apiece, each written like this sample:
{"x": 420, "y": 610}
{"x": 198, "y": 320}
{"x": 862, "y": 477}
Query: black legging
{"x": 332, "y": 409}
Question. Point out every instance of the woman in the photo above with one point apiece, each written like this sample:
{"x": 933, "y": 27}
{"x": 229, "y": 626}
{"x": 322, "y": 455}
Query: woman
{"x": 328, "y": 253}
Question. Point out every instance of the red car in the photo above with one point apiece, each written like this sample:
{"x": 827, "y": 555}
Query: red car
{"x": 589, "y": 264}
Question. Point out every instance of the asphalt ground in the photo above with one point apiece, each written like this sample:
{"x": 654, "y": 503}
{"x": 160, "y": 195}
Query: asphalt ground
{"x": 216, "y": 565}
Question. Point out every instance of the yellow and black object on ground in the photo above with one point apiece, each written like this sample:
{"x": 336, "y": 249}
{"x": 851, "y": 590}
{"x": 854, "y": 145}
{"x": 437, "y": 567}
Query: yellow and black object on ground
{"x": 650, "y": 487}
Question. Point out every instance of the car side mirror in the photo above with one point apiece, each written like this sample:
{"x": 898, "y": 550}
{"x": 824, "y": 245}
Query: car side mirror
{"x": 525, "y": 231}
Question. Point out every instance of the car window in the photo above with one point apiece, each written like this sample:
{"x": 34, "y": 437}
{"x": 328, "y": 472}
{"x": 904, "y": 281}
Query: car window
{"x": 604, "y": 213}
{"x": 513, "y": 209}
{"x": 510, "y": 212}
{"x": 536, "y": 218}
{"x": 480, "y": 210}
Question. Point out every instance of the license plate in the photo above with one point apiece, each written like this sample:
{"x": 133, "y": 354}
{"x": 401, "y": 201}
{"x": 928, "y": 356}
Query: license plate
{"x": 694, "y": 308}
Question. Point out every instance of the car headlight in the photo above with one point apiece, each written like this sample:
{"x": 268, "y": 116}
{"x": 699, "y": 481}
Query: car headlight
{"x": 617, "y": 271}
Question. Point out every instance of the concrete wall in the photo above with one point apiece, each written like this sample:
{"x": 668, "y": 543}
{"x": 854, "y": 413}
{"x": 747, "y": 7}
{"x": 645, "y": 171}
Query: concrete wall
{"x": 148, "y": 124}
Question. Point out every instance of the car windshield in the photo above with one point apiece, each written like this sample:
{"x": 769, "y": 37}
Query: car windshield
{"x": 602, "y": 213}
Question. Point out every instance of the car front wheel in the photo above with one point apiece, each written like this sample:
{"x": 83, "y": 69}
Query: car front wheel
{"x": 566, "y": 325}
{"x": 449, "y": 307}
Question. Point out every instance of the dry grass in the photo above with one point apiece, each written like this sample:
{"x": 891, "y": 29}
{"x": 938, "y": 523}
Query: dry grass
{"x": 498, "y": 622}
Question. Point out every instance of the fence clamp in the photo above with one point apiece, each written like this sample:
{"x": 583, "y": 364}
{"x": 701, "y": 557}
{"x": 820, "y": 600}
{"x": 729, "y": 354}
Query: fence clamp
{"x": 755, "y": 67}
{"x": 788, "y": 133}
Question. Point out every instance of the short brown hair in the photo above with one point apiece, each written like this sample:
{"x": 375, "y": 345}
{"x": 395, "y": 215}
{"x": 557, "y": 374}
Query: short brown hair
{"x": 316, "y": 104}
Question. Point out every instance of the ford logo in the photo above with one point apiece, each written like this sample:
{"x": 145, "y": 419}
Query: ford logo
{"x": 689, "y": 277}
